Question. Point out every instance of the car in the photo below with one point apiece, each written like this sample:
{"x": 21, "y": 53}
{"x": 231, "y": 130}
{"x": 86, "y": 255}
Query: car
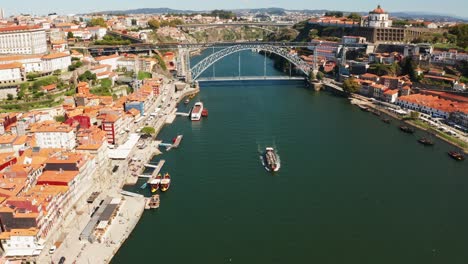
{"x": 52, "y": 249}
{"x": 62, "y": 260}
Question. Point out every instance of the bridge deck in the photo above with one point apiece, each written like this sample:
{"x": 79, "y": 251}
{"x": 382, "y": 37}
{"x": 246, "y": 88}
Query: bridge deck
{"x": 248, "y": 78}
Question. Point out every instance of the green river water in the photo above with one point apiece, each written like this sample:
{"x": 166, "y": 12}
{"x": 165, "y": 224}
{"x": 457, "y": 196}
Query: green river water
{"x": 351, "y": 188}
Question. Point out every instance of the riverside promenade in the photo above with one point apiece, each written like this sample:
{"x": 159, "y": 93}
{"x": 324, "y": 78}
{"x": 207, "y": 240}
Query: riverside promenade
{"x": 130, "y": 211}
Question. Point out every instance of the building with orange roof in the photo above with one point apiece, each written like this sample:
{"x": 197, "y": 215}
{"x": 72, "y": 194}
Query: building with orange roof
{"x": 23, "y": 40}
{"x": 49, "y": 88}
{"x": 378, "y": 90}
{"x": 112, "y": 124}
{"x": 56, "y": 61}
{"x": 390, "y": 95}
{"x": 11, "y": 73}
{"x": 7, "y": 159}
{"x": 432, "y": 105}
{"x": 6, "y": 142}
{"x": 109, "y": 60}
{"x": 6, "y": 120}
{"x": 391, "y": 82}
{"x": 50, "y": 134}
{"x": 93, "y": 141}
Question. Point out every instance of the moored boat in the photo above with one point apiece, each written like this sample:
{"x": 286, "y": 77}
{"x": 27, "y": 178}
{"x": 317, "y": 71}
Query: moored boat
{"x": 166, "y": 182}
{"x": 271, "y": 160}
{"x": 377, "y": 113}
{"x": 154, "y": 201}
{"x": 363, "y": 108}
{"x": 186, "y": 101}
{"x": 386, "y": 120}
{"x": 456, "y": 155}
{"x": 426, "y": 141}
{"x": 204, "y": 113}
{"x": 155, "y": 183}
{"x": 407, "y": 129}
{"x": 197, "y": 110}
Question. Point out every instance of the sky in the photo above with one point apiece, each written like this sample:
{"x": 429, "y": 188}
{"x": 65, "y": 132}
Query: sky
{"x": 39, "y": 7}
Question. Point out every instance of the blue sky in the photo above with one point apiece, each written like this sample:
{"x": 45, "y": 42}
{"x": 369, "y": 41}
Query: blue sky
{"x": 454, "y": 7}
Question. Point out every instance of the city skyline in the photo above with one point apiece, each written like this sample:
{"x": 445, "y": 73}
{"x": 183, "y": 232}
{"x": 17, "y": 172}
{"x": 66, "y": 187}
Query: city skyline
{"x": 451, "y": 7}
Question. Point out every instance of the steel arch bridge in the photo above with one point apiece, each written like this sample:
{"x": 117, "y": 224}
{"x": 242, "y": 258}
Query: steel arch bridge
{"x": 204, "y": 64}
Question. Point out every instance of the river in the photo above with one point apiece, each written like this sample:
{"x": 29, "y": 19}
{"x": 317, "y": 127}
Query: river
{"x": 351, "y": 189}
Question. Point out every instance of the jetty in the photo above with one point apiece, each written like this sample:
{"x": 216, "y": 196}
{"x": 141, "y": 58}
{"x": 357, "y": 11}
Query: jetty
{"x": 177, "y": 141}
{"x": 182, "y": 114}
{"x": 131, "y": 194}
{"x": 156, "y": 171}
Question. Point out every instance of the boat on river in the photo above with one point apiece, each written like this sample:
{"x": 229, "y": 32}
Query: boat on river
{"x": 426, "y": 141}
{"x": 166, "y": 182}
{"x": 271, "y": 160}
{"x": 155, "y": 183}
{"x": 154, "y": 201}
{"x": 386, "y": 120}
{"x": 407, "y": 129}
{"x": 187, "y": 101}
{"x": 197, "y": 110}
{"x": 456, "y": 155}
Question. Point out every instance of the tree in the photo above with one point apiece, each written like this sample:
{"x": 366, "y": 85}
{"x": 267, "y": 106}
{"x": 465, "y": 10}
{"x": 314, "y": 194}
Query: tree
{"x": 154, "y": 24}
{"x": 57, "y": 72}
{"x": 313, "y": 33}
{"x": 22, "y": 90}
{"x": 10, "y": 97}
{"x": 70, "y": 35}
{"x": 320, "y": 75}
{"x": 60, "y": 118}
{"x": 408, "y": 68}
{"x": 148, "y": 131}
{"x": 334, "y": 14}
{"x": 414, "y": 115}
{"x": 355, "y": 16}
{"x": 32, "y": 76}
{"x": 351, "y": 85}
{"x": 97, "y": 22}
{"x": 87, "y": 76}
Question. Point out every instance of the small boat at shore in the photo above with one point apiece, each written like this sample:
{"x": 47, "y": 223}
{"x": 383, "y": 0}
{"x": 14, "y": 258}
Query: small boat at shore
{"x": 154, "y": 201}
{"x": 271, "y": 160}
{"x": 204, "y": 113}
{"x": 386, "y": 120}
{"x": 363, "y": 108}
{"x": 407, "y": 129}
{"x": 376, "y": 113}
{"x": 187, "y": 101}
{"x": 196, "y": 112}
{"x": 426, "y": 141}
{"x": 456, "y": 155}
{"x": 155, "y": 183}
{"x": 166, "y": 182}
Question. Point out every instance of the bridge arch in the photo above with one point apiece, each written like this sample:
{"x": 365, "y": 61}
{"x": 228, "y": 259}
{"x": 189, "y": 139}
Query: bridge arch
{"x": 204, "y": 64}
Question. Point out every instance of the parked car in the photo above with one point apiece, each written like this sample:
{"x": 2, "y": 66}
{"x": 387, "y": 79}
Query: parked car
{"x": 62, "y": 260}
{"x": 52, "y": 249}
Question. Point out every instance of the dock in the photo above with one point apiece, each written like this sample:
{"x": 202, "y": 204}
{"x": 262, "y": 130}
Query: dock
{"x": 177, "y": 141}
{"x": 127, "y": 193}
{"x": 156, "y": 171}
{"x": 182, "y": 114}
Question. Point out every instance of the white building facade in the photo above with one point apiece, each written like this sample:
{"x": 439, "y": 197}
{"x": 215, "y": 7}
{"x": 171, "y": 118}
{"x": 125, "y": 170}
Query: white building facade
{"x": 23, "y": 40}
{"x": 377, "y": 18}
{"x": 56, "y": 61}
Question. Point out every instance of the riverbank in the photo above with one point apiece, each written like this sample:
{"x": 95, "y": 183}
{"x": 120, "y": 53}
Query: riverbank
{"x": 364, "y": 101}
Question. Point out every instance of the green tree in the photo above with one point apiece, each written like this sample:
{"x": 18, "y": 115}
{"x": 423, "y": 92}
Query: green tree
{"x": 97, "y": 22}
{"x": 355, "y": 16}
{"x": 32, "y": 76}
{"x": 148, "y": 131}
{"x": 57, "y": 72}
{"x": 60, "y": 118}
{"x": 334, "y": 14}
{"x": 154, "y": 24}
{"x": 87, "y": 76}
{"x": 351, "y": 85}
{"x": 461, "y": 32}
{"x": 313, "y": 33}
{"x": 408, "y": 68}
{"x": 320, "y": 75}
{"x": 414, "y": 115}
{"x": 161, "y": 62}
{"x": 70, "y": 35}
{"x": 22, "y": 90}
{"x": 10, "y": 97}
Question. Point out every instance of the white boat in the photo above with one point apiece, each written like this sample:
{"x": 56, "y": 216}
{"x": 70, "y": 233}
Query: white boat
{"x": 196, "y": 111}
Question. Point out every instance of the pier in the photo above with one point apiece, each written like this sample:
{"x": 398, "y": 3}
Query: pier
{"x": 182, "y": 114}
{"x": 156, "y": 171}
{"x": 131, "y": 194}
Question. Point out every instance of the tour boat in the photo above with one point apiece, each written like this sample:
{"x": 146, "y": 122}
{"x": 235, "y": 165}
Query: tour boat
{"x": 426, "y": 141}
{"x": 166, "y": 182}
{"x": 456, "y": 155}
{"x": 154, "y": 183}
{"x": 271, "y": 160}
{"x": 204, "y": 113}
{"x": 154, "y": 201}
{"x": 363, "y": 108}
{"x": 407, "y": 129}
{"x": 186, "y": 101}
{"x": 197, "y": 111}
